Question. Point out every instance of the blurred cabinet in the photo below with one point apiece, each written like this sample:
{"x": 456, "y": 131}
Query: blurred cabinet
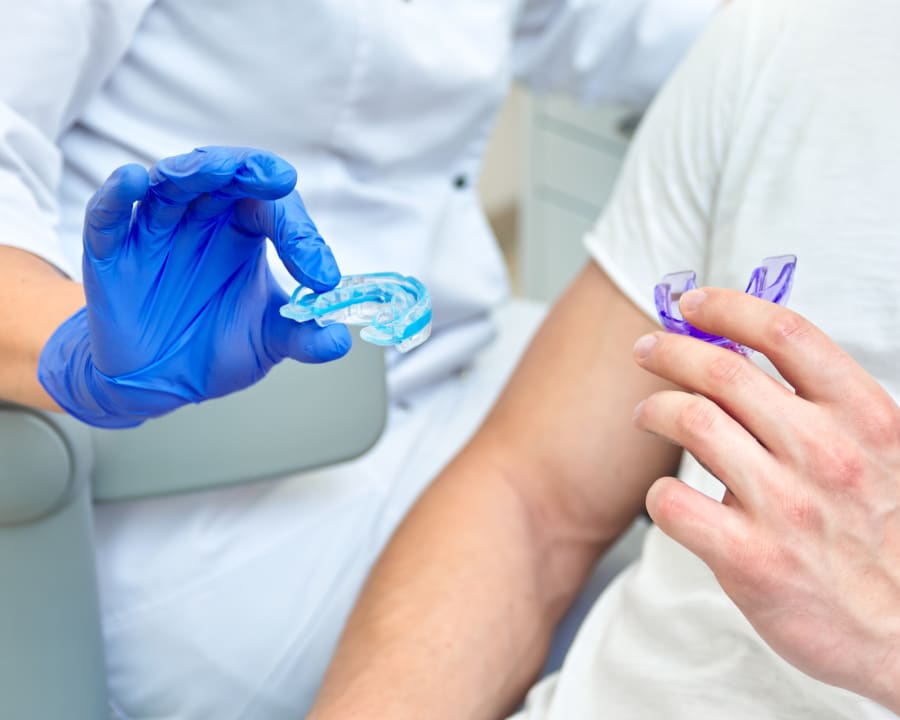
{"x": 573, "y": 155}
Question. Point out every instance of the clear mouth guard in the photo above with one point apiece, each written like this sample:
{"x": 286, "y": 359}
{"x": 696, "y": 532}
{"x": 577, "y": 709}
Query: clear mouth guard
{"x": 770, "y": 281}
{"x": 396, "y": 309}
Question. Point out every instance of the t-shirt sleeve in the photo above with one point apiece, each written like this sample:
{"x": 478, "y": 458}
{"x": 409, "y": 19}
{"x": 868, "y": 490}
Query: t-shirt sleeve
{"x": 659, "y": 217}
{"x": 53, "y": 56}
{"x": 605, "y": 50}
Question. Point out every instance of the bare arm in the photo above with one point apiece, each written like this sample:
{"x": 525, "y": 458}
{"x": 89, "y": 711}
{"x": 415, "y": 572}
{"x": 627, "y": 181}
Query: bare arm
{"x": 458, "y": 613}
{"x": 34, "y": 300}
{"x": 460, "y": 609}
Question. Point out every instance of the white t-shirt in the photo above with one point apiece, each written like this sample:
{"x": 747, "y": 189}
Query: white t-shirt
{"x": 779, "y": 134}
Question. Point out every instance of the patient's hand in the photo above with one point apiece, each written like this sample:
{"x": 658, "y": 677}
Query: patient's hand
{"x": 807, "y": 539}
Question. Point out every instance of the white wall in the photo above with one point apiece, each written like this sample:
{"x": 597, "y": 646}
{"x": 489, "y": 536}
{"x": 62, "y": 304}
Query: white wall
{"x": 573, "y": 156}
{"x": 549, "y": 169}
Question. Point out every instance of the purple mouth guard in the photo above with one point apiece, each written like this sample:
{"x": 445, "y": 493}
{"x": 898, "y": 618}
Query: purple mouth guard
{"x": 770, "y": 281}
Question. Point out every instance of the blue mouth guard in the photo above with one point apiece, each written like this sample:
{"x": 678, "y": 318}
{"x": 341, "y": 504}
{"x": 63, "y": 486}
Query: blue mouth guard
{"x": 395, "y": 309}
{"x": 770, "y": 281}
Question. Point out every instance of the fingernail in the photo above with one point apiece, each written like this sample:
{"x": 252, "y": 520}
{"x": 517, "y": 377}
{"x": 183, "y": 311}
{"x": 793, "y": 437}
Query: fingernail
{"x": 644, "y": 345}
{"x": 691, "y": 300}
{"x": 637, "y": 410}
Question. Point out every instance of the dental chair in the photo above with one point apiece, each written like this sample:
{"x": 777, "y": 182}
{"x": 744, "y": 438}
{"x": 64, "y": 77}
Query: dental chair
{"x": 52, "y": 468}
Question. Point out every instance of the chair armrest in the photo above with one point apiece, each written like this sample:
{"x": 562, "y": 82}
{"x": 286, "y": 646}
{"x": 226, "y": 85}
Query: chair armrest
{"x": 299, "y": 417}
{"x": 51, "y": 655}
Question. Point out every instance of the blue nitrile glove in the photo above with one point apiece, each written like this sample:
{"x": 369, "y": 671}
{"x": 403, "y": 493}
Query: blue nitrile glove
{"x": 181, "y": 304}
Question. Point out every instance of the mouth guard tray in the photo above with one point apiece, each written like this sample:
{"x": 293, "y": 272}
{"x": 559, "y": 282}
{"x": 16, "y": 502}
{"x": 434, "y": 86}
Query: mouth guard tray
{"x": 395, "y": 309}
{"x": 770, "y": 281}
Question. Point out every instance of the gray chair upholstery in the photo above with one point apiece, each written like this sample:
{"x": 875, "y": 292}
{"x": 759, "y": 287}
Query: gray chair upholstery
{"x": 52, "y": 468}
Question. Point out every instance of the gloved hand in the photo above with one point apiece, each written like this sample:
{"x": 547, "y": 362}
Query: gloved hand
{"x": 181, "y": 303}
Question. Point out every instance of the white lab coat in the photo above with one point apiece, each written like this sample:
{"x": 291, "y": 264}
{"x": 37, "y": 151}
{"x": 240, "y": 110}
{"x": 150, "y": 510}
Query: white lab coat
{"x": 384, "y": 107}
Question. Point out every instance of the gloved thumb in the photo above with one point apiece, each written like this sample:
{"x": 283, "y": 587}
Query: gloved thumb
{"x": 305, "y": 342}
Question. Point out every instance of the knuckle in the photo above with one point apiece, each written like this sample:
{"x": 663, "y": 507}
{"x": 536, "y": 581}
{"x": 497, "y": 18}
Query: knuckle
{"x": 786, "y": 329}
{"x": 802, "y": 514}
{"x": 841, "y": 463}
{"x": 882, "y": 423}
{"x": 730, "y": 369}
{"x": 755, "y": 561}
{"x": 697, "y": 417}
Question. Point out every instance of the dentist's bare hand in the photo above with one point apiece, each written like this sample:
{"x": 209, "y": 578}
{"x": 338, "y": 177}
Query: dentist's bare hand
{"x": 807, "y": 539}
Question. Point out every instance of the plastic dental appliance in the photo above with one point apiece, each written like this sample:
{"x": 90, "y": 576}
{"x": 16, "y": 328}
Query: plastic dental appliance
{"x": 770, "y": 281}
{"x": 395, "y": 309}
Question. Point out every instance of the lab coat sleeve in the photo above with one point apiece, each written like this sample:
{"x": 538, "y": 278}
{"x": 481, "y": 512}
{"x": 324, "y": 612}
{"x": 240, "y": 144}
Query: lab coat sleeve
{"x": 605, "y": 50}
{"x": 54, "y": 54}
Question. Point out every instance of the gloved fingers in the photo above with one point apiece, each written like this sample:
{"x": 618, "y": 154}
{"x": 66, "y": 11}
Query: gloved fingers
{"x": 307, "y": 342}
{"x": 260, "y": 175}
{"x": 313, "y": 344}
{"x": 213, "y": 178}
{"x": 299, "y": 244}
{"x": 176, "y": 181}
{"x": 107, "y": 216}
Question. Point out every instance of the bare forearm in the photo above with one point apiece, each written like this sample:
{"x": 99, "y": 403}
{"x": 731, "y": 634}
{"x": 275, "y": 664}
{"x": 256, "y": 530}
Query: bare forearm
{"x": 460, "y": 608}
{"x": 462, "y": 617}
{"x": 34, "y": 300}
